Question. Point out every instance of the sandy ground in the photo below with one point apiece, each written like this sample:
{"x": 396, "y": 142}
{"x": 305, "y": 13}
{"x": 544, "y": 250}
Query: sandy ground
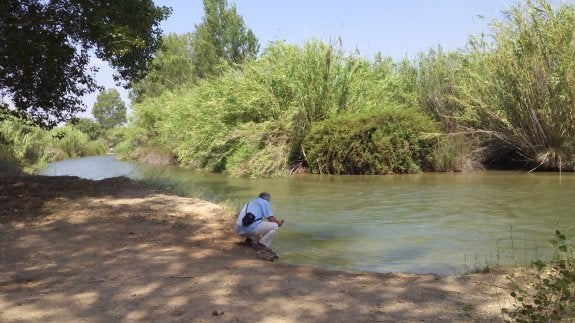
{"x": 76, "y": 250}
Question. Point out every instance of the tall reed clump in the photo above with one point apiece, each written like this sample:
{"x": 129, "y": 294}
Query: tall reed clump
{"x": 379, "y": 129}
{"x": 74, "y": 143}
{"x": 226, "y": 124}
{"x": 300, "y": 86}
{"x": 251, "y": 122}
{"x": 521, "y": 85}
{"x": 439, "y": 80}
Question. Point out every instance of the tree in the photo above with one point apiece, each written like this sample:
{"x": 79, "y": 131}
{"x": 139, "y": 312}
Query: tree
{"x": 46, "y": 46}
{"x": 109, "y": 109}
{"x": 172, "y": 67}
{"x": 89, "y": 127}
{"x": 221, "y": 39}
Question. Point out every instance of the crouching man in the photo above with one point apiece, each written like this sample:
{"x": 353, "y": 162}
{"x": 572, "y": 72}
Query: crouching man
{"x": 251, "y": 223}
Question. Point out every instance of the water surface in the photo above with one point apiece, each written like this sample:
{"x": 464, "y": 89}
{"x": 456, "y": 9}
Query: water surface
{"x": 442, "y": 223}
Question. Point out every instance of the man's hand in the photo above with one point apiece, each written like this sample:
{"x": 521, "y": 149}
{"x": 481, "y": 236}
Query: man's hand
{"x": 273, "y": 219}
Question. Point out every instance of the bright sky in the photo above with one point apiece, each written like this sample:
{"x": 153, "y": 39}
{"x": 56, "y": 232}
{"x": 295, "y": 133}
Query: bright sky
{"x": 396, "y": 28}
{"x": 392, "y": 27}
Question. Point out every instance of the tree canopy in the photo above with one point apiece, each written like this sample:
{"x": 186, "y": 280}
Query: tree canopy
{"x": 109, "y": 109}
{"x": 89, "y": 127}
{"x": 46, "y": 49}
{"x": 221, "y": 38}
{"x": 172, "y": 67}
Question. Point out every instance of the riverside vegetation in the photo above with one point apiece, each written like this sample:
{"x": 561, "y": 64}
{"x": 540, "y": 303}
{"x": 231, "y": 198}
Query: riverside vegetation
{"x": 30, "y": 147}
{"x": 506, "y": 100}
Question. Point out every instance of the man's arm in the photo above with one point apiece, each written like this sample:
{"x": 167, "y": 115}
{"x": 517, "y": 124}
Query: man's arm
{"x": 273, "y": 219}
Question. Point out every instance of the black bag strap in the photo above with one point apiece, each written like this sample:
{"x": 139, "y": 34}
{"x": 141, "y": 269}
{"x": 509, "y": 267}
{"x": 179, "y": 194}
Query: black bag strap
{"x": 262, "y": 214}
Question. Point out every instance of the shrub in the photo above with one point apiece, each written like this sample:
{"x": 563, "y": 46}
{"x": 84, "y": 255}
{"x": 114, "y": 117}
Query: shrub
{"x": 32, "y": 147}
{"x": 24, "y": 143}
{"x": 549, "y": 296}
{"x": 384, "y": 142}
{"x": 8, "y": 164}
{"x": 131, "y": 141}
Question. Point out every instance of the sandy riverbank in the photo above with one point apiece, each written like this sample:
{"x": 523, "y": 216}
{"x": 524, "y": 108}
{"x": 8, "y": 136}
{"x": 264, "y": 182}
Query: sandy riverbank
{"x": 114, "y": 250}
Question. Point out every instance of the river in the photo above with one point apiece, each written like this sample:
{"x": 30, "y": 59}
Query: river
{"x": 442, "y": 223}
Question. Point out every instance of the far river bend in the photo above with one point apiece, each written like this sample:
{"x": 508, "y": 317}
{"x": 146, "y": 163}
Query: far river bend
{"x": 440, "y": 223}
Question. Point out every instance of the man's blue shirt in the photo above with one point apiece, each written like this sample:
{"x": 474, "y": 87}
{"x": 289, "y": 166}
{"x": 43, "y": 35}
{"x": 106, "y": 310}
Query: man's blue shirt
{"x": 259, "y": 207}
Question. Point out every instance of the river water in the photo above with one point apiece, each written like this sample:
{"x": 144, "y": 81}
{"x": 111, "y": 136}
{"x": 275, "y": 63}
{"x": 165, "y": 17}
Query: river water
{"x": 440, "y": 223}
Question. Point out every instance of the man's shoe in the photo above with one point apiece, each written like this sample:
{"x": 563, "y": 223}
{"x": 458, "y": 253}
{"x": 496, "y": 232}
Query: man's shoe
{"x": 265, "y": 252}
{"x": 260, "y": 246}
{"x": 249, "y": 242}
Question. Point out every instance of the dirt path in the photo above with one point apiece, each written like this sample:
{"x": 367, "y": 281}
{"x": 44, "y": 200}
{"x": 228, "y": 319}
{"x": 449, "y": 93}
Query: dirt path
{"x": 114, "y": 250}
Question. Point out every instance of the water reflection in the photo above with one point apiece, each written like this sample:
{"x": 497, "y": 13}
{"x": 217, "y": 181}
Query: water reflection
{"x": 93, "y": 167}
{"x": 441, "y": 223}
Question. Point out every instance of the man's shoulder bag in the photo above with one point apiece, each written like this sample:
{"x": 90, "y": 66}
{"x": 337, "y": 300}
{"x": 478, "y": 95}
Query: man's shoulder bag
{"x": 249, "y": 218}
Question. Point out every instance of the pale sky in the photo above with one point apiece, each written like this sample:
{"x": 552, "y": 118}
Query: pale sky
{"x": 397, "y": 28}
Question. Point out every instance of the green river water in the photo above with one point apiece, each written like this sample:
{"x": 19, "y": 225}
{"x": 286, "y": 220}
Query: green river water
{"x": 440, "y": 223}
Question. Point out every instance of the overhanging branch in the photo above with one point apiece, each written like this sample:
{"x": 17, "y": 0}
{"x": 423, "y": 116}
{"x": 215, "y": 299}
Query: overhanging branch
{"x": 33, "y": 21}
